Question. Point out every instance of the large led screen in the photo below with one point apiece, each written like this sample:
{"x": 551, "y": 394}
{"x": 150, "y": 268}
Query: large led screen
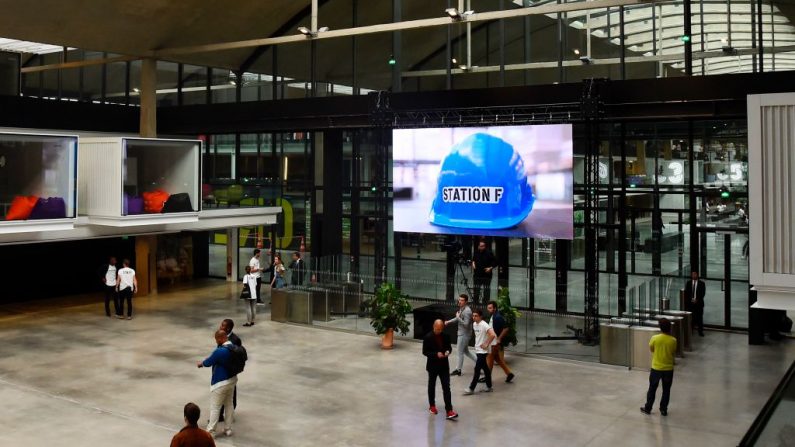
{"x": 513, "y": 181}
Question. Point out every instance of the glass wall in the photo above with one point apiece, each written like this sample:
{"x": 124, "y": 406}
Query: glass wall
{"x": 641, "y": 41}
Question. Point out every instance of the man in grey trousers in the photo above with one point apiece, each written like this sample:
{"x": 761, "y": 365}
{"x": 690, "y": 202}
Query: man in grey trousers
{"x": 463, "y": 317}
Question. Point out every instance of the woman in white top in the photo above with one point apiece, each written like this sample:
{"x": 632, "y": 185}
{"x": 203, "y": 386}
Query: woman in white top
{"x": 251, "y": 302}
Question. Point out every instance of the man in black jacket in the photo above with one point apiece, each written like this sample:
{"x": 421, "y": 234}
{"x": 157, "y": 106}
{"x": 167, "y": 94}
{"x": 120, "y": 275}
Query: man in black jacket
{"x": 483, "y": 263}
{"x": 298, "y": 269}
{"x": 436, "y": 347}
{"x": 695, "y": 289}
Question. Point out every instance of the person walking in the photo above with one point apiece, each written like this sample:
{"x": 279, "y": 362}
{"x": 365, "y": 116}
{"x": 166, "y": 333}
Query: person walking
{"x": 663, "y": 348}
{"x": 436, "y": 348}
{"x": 695, "y": 289}
{"x": 278, "y": 273}
{"x": 191, "y": 435}
{"x": 126, "y": 287}
{"x": 256, "y": 272}
{"x": 227, "y": 325}
{"x": 484, "y": 335}
{"x": 501, "y": 329}
{"x": 298, "y": 269}
{"x": 222, "y": 384}
{"x": 483, "y": 263}
{"x": 251, "y": 302}
{"x": 107, "y": 274}
{"x": 463, "y": 318}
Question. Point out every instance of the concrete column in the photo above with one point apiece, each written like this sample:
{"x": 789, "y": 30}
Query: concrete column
{"x": 145, "y": 267}
{"x": 148, "y": 92}
{"x": 232, "y": 253}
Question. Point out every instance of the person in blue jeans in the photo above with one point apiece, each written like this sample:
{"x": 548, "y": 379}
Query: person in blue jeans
{"x": 663, "y": 348}
{"x": 278, "y": 273}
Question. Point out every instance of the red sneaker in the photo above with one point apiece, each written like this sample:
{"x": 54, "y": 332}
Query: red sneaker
{"x": 433, "y": 409}
{"x": 452, "y": 415}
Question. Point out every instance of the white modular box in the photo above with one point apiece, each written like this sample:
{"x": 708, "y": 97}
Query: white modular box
{"x": 126, "y": 181}
{"x": 38, "y": 182}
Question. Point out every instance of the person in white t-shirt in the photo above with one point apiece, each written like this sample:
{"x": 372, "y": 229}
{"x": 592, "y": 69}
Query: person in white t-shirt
{"x": 256, "y": 272}
{"x": 107, "y": 274}
{"x": 251, "y": 302}
{"x": 484, "y": 335}
{"x": 126, "y": 286}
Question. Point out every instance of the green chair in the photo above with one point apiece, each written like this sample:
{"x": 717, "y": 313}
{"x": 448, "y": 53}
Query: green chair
{"x": 235, "y": 194}
{"x": 221, "y": 196}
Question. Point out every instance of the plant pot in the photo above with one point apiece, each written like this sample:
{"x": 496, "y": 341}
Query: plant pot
{"x": 388, "y": 339}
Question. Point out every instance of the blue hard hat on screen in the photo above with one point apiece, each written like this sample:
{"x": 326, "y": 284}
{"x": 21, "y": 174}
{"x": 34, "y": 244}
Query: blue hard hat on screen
{"x": 482, "y": 185}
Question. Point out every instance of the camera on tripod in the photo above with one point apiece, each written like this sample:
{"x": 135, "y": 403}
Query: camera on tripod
{"x": 456, "y": 250}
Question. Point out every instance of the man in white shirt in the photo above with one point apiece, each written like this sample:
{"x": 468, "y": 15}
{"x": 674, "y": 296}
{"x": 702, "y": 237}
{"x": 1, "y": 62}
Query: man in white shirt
{"x": 484, "y": 335}
{"x": 126, "y": 286}
{"x": 256, "y": 271}
{"x": 108, "y": 277}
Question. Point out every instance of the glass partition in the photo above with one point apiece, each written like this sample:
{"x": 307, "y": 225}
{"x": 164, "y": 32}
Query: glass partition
{"x": 160, "y": 176}
{"x": 38, "y": 176}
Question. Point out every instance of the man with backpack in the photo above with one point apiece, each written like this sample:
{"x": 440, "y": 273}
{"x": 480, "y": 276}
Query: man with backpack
{"x": 227, "y": 361}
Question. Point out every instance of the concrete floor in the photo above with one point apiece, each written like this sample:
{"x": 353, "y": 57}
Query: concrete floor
{"x": 70, "y": 376}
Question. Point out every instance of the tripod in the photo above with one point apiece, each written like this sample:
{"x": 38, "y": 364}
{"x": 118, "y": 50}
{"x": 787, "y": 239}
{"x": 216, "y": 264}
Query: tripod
{"x": 470, "y": 291}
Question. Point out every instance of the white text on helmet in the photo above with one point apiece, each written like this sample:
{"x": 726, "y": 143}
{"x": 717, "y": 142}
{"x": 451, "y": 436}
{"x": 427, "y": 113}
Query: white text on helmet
{"x": 472, "y": 194}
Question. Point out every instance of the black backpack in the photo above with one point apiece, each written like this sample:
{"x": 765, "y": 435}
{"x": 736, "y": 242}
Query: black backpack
{"x": 237, "y": 359}
{"x": 178, "y": 203}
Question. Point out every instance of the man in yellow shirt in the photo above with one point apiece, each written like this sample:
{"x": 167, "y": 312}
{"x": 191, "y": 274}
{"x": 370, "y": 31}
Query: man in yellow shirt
{"x": 663, "y": 348}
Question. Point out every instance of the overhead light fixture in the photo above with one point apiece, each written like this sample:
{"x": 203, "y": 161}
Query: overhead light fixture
{"x": 457, "y": 15}
{"x": 454, "y": 61}
{"x": 392, "y": 60}
{"x": 576, "y": 51}
{"x": 136, "y": 90}
{"x": 577, "y": 24}
{"x": 729, "y": 50}
{"x": 309, "y": 33}
{"x": 453, "y": 13}
{"x": 463, "y": 67}
{"x": 232, "y": 82}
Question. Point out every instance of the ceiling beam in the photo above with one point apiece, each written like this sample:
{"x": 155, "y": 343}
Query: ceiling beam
{"x": 398, "y": 26}
{"x": 77, "y": 64}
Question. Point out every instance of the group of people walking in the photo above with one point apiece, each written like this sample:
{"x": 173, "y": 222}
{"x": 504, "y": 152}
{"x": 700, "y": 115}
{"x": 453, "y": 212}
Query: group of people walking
{"x": 488, "y": 350}
{"x": 120, "y": 285}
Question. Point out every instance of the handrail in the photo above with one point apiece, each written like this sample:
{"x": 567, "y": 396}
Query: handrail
{"x": 760, "y": 423}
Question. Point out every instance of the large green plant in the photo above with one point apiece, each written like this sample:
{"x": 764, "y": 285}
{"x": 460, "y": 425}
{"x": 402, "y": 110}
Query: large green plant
{"x": 388, "y": 310}
{"x": 509, "y": 313}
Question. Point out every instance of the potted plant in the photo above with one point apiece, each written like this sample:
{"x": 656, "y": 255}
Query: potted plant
{"x": 509, "y": 313}
{"x": 388, "y": 309}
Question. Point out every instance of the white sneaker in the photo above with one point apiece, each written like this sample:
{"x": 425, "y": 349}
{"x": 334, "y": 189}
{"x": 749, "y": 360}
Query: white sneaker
{"x": 486, "y": 389}
{"x": 228, "y": 432}
{"x": 468, "y": 391}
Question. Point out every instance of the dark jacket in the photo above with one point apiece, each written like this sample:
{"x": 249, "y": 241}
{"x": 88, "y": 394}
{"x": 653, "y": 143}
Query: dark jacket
{"x": 299, "y": 271}
{"x": 430, "y": 349}
{"x": 482, "y": 261}
{"x": 235, "y": 339}
{"x": 701, "y": 290}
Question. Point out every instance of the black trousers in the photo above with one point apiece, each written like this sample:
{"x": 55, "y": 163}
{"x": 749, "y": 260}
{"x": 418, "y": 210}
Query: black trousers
{"x": 480, "y": 365}
{"x": 482, "y": 288}
{"x": 444, "y": 377}
{"x": 259, "y": 285}
{"x": 110, "y": 294}
{"x": 125, "y": 295}
{"x": 667, "y": 378}
{"x": 698, "y": 318}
